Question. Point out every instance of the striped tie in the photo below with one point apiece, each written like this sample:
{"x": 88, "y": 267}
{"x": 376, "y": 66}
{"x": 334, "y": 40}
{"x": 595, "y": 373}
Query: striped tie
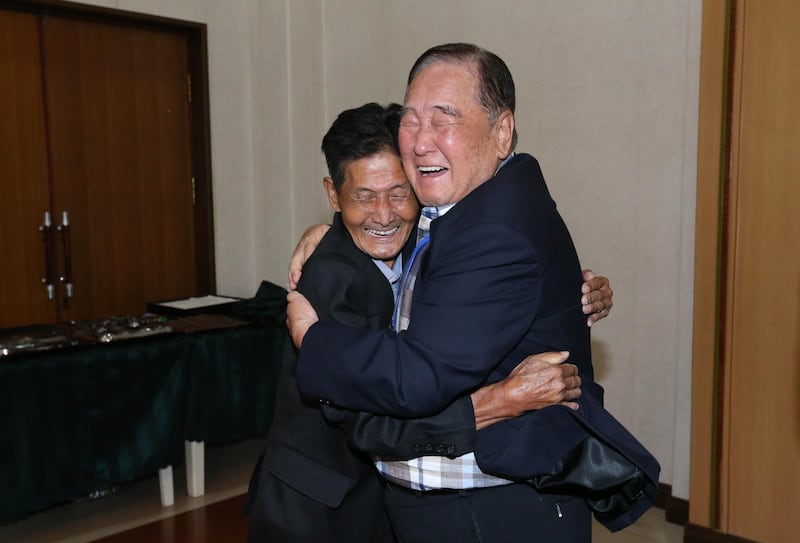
{"x": 402, "y": 313}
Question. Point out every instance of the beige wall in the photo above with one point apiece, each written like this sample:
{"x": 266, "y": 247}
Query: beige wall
{"x": 607, "y": 100}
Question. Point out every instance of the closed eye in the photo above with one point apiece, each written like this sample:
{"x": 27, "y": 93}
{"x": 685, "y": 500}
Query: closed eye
{"x": 409, "y": 123}
{"x": 444, "y": 115}
{"x": 364, "y": 196}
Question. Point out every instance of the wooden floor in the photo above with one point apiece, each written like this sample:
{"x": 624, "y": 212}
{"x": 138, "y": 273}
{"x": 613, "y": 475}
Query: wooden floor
{"x": 218, "y": 522}
{"x": 222, "y": 522}
{"x": 135, "y": 514}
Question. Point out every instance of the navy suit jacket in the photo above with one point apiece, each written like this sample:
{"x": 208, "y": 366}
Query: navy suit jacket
{"x": 497, "y": 283}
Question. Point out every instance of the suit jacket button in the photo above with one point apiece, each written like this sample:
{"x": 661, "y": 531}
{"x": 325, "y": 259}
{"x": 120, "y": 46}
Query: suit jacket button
{"x": 416, "y": 447}
{"x": 428, "y": 447}
{"x": 440, "y": 448}
{"x": 451, "y": 449}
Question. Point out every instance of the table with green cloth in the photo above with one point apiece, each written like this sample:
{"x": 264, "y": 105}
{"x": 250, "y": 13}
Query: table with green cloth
{"x": 75, "y": 420}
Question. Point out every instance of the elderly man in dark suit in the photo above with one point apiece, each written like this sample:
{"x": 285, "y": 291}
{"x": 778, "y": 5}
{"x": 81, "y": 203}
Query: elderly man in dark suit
{"x": 312, "y": 484}
{"x": 489, "y": 283}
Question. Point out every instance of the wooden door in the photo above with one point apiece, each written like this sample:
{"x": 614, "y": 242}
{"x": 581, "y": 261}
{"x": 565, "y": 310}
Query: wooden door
{"x": 118, "y": 105}
{"x": 24, "y": 196}
{"x": 761, "y": 426}
{"x": 100, "y": 130}
{"x": 746, "y": 381}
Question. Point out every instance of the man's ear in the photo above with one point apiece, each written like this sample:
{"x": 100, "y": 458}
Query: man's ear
{"x": 333, "y": 196}
{"x": 504, "y": 132}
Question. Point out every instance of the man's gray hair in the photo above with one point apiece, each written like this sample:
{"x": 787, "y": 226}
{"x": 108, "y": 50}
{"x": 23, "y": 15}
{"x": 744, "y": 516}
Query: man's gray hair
{"x": 496, "y": 91}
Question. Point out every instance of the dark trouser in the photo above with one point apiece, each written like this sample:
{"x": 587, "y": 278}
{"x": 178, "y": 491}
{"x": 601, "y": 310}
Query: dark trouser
{"x": 504, "y": 514}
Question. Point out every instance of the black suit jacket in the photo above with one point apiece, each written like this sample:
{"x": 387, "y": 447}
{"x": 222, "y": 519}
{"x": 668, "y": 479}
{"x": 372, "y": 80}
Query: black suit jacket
{"x": 312, "y": 484}
{"x": 497, "y": 283}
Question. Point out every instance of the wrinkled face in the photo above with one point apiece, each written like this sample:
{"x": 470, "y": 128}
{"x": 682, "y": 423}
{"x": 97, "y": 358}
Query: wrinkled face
{"x": 447, "y": 144}
{"x": 377, "y": 204}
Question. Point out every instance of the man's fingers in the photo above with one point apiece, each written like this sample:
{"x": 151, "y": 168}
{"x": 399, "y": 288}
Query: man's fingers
{"x": 597, "y": 311}
{"x": 295, "y": 268}
{"x": 553, "y": 358}
{"x": 593, "y": 285}
{"x": 572, "y": 382}
{"x": 541, "y": 380}
{"x": 597, "y": 299}
{"x": 531, "y": 362}
{"x": 294, "y": 277}
{"x": 590, "y": 297}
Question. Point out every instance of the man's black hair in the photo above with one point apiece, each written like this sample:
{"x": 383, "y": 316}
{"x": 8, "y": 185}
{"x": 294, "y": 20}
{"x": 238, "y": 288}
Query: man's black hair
{"x": 358, "y": 133}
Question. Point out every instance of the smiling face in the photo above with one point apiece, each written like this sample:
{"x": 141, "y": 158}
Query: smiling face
{"x": 377, "y": 204}
{"x": 447, "y": 144}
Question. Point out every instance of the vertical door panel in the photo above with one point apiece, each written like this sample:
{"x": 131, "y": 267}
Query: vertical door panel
{"x": 761, "y": 448}
{"x": 121, "y": 163}
{"x": 23, "y": 174}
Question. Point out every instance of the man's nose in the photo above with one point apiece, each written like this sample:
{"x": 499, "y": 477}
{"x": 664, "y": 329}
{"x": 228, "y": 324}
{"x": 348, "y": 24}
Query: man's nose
{"x": 383, "y": 212}
{"x": 423, "y": 140}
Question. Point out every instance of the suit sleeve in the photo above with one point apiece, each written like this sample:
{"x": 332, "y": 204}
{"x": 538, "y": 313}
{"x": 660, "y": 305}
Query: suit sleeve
{"x": 332, "y": 286}
{"x": 448, "y": 433}
{"x": 474, "y": 309}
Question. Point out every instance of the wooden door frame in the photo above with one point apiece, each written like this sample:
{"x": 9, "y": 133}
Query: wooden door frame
{"x": 710, "y": 168}
{"x": 713, "y": 177}
{"x": 196, "y": 34}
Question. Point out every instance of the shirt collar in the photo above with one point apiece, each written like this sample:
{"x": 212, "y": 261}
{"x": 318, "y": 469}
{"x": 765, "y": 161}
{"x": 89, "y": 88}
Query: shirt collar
{"x": 504, "y": 162}
{"x": 392, "y": 274}
{"x": 440, "y": 210}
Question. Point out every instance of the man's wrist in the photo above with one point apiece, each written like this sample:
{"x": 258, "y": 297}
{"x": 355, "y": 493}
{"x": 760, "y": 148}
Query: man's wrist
{"x": 489, "y": 406}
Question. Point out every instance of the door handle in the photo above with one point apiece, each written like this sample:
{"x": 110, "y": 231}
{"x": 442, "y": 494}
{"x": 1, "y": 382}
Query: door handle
{"x": 46, "y": 228}
{"x": 66, "y": 277}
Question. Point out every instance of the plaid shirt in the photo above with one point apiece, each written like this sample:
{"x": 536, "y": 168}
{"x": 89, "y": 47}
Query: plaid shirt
{"x": 429, "y": 472}
{"x": 437, "y": 472}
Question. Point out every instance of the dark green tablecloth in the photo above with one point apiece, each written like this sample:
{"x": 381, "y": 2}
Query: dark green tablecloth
{"x": 73, "y": 421}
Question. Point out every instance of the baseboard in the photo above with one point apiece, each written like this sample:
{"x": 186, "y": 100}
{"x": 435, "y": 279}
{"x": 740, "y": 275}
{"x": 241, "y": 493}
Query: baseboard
{"x": 676, "y": 510}
{"x": 693, "y": 533}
